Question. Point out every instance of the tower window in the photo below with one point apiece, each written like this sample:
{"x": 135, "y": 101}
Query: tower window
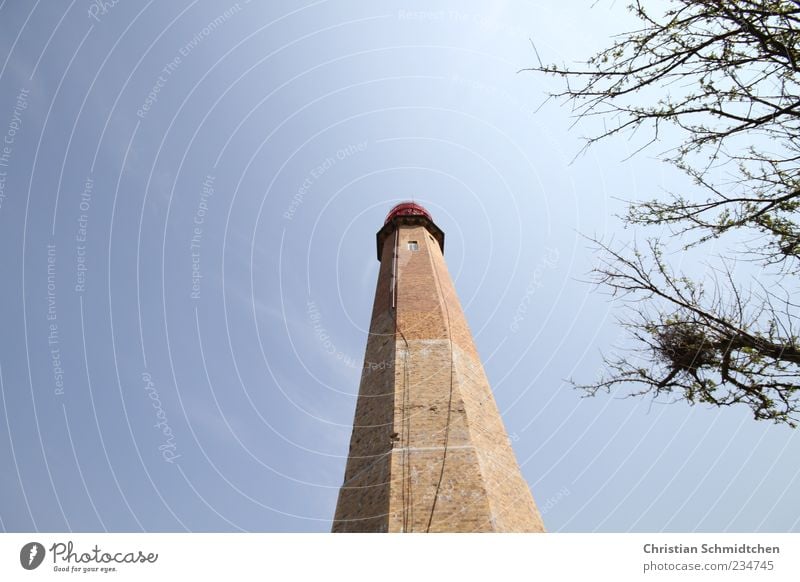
{"x": 413, "y": 245}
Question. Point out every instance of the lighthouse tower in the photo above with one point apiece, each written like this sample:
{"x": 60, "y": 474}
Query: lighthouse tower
{"x": 428, "y": 452}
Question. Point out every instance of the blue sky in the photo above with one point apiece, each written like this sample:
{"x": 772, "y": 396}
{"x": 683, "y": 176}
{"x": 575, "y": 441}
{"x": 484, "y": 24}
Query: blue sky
{"x": 191, "y": 195}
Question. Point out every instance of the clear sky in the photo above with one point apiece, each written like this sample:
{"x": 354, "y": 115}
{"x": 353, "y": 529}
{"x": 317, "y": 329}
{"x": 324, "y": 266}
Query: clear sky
{"x": 190, "y": 195}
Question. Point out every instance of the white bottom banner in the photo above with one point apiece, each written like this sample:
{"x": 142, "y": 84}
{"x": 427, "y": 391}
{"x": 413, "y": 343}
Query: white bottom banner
{"x": 396, "y": 557}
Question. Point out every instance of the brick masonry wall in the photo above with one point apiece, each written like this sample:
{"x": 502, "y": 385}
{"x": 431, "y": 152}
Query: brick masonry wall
{"x": 400, "y": 476}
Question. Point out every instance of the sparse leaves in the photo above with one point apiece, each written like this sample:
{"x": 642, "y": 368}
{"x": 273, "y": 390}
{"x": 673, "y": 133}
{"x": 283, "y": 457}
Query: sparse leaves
{"x": 726, "y": 73}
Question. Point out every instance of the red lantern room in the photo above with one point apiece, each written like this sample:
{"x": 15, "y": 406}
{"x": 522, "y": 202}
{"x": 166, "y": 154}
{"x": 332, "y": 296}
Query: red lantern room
{"x": 409, "y": 213}
{"x": 407, "y": 209}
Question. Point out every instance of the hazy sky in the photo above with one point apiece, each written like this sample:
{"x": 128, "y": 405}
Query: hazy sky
{"x": 190, "y": 195}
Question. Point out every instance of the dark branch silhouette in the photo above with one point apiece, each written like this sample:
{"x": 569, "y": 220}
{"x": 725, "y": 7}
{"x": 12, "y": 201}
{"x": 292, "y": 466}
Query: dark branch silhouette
{"x": 725, "y": 73}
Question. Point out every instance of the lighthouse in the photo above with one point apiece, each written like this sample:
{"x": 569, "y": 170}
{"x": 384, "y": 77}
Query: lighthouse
{"x": 428, "y": 451}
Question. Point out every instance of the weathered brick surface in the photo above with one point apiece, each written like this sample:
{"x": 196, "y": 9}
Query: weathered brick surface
{"x": 429, "y": 451}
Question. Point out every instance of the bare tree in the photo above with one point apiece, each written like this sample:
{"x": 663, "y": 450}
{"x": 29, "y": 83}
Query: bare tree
{"x": 725, "y": 74}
